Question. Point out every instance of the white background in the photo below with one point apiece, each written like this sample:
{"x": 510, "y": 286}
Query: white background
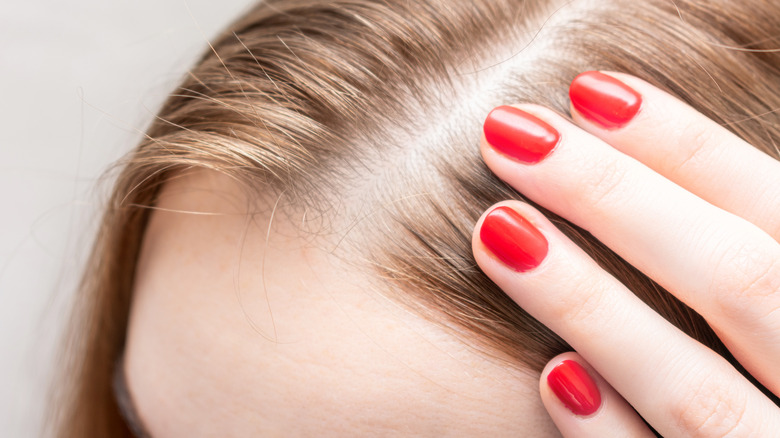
{"x": 80, "y": 80}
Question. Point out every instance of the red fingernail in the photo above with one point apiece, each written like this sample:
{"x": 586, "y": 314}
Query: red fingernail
{"x": 575, "y": 388}
{"x": 604, "y": 99}
{"x": 513, "y": 239}
{"x": 519, "y": 134}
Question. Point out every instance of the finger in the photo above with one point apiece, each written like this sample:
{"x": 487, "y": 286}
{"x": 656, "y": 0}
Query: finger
{"x": 681, "y": 144}
{"x": 723, "y": 266}
{"x": 679, "y": 386}
{"x": 582, "y": 404}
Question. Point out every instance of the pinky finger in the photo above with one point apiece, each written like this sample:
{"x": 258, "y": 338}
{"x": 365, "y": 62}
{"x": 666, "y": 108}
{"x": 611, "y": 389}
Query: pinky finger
{"x": 583, "y": 404}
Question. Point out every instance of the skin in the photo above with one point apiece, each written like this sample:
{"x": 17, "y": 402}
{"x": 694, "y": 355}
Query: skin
{"x": 241, "y": 328}
{"x": 709, "y": 242}
{"x": 244, "y": 328}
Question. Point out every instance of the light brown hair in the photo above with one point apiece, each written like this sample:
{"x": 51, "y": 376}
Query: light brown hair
{"x": 338, "y": 102}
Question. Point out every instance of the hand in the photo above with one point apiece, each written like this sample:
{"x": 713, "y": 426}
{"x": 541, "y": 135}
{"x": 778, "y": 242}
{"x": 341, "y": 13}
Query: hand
{"x": 685, "y": 201}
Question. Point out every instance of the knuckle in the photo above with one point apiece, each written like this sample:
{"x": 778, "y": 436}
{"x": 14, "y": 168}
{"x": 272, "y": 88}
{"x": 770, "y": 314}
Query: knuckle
{"x": 600, "y": 188}
{"x": 764, "y": 206}
{"x": 581, "y": 306}
{"x": 696, "y": 142}
{"x": 712, "y": 410}
{"x": 747, "y": 279}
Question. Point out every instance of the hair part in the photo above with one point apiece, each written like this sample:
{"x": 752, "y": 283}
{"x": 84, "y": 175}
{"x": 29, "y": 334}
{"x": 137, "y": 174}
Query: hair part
{"x": 366, "y": 115}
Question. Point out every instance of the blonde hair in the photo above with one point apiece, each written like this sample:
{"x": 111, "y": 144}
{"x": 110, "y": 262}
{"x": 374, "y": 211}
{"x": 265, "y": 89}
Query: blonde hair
{"x": 340, "y": 102}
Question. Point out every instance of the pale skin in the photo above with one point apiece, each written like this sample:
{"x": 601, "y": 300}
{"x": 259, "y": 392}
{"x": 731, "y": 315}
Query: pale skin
{"x": 297, "y": 344}
{"x": 332, "y": 357}
{"x": 712, "y": 241}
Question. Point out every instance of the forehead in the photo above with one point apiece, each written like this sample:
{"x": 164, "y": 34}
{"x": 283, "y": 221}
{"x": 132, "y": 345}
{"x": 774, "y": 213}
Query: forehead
{"x": 240, "y": 327}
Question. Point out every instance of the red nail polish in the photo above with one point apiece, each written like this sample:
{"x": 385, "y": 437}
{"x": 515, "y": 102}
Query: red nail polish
{"x": 520, "y": 135}
{"x": 604, "y": 99}
{"x": 513, "y": 239}
{"x": 575, "y": 388}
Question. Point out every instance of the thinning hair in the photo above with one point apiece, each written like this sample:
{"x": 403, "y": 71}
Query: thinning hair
{"x": 343, "y": 107}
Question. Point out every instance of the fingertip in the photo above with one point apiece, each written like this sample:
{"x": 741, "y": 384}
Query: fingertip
{"x": 521, "y": 134}
{"x": 583, "y": 404}
{"x": 569, "y": 381}
{"x": 510, "y": 232}
{"x": 604, "y": 100}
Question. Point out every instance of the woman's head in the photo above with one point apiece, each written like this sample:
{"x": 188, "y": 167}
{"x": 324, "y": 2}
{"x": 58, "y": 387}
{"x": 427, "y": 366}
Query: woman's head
{"x": 306, "y": 199}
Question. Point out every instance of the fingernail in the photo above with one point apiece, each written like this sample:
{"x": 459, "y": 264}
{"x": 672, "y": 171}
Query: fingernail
{"x": 575, "y": 388}
{"x": 513, "y": 239}
{"x": 604, "y": 99}
{"x": 520, "y": 135}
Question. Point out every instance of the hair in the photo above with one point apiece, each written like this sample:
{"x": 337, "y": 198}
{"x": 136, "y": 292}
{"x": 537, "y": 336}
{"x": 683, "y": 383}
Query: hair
{"x": 334, "y": 104}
